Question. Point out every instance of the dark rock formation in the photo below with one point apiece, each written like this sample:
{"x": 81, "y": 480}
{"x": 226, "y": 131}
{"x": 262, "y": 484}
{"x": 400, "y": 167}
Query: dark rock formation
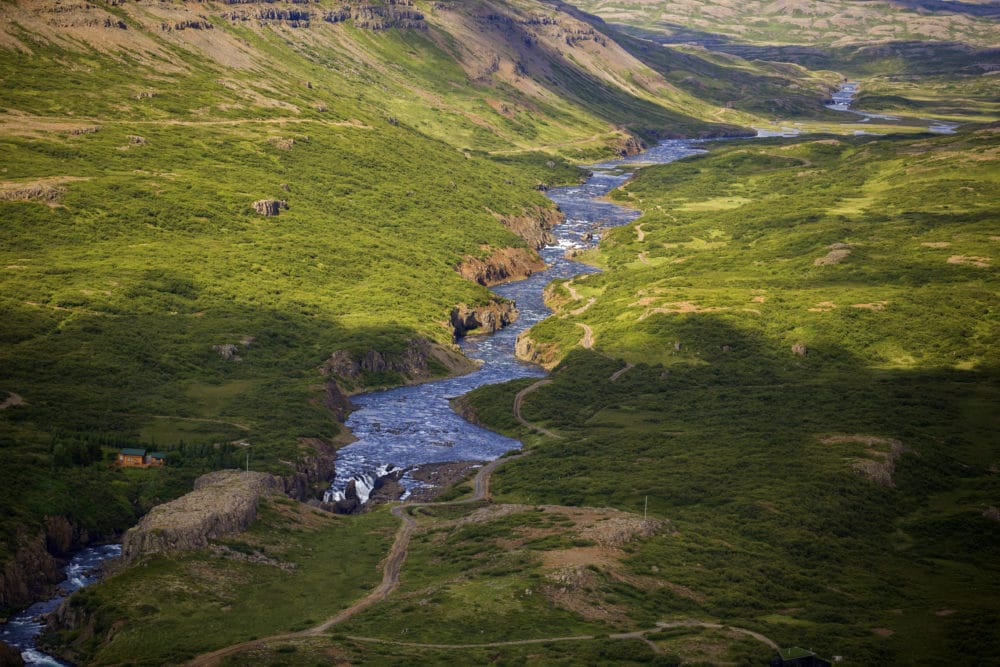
{"x": 312, "y": 472}
{"x": 630, "y": 146}
{"x": 502, "y": 265}
{"x": 269, "y": 207}
{"x": 482, "y": 319}
{"x": 420, "y": 360}
{"x": 10, "y": 656}
{"x": 222, "y": 502}
{"x": 34, "y": 569}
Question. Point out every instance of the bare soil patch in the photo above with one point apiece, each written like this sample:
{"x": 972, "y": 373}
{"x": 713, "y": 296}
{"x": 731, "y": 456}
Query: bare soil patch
{"x": 978, "y": 262}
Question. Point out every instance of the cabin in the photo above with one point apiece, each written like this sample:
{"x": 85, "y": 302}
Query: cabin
{"x": 138, "y": 458}
{"x": 798, "y": 657}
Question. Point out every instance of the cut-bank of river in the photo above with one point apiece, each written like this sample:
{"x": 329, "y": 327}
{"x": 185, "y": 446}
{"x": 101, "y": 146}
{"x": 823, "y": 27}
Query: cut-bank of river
{"x": 411, "y": 426}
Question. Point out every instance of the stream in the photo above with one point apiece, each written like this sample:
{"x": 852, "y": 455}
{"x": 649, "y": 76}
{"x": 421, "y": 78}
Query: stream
{"x": 411, "y": 426}
{"x": 22, "y": 629}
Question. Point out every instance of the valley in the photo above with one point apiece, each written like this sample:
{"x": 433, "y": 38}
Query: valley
{"x": 261, "y": 237}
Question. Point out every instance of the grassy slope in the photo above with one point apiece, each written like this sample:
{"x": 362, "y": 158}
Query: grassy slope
{"x": 728, "y": 435}
{"x": 913, "y": 60}
{"x": 143, "y": 252}
{"x": 295, "y": 566}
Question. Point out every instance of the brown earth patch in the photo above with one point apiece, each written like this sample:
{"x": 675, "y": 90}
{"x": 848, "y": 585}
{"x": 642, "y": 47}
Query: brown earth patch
{"x": 11, "y": 400}
{"x": 759, "y": 299}
{"x": 978, "y": 262}
{"x": 936, "y": 244}
{"x": 944, "y": 612}
{"x": 823, "y": 307}
{"x": 875, "y": 305}
{"x": 883, "y": 632}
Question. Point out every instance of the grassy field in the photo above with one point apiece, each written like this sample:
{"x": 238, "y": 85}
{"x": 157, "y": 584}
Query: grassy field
{"x": 813, "y": 336}
{"x": 294, "y": 567}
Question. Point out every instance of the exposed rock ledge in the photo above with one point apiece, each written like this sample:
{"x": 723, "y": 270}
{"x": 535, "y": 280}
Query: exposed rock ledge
{"x": 482, "y": 319}
{"x": 222, "y": 502}
{"x": 545, "y": 355}
{"x": 419, "y": 361}
{"x": 500, "y": 266}
{"x": 533, "y": 225}
{"x": 34, "y": 569}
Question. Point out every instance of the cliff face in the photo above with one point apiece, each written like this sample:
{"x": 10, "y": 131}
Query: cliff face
{"x": 420, "y": 360}
{"x": 502, "y": 265}
{"x": 222, "y": 502}
{"x": 534, "y": 225}
{"x": 312, "y": 472}
{"x": 482, "y": 319}
{"x": 545, "y": 355}
{"x": 33, "y": 570}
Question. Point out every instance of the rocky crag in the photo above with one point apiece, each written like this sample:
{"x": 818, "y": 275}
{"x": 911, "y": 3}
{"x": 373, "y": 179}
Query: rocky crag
{"x": 223, "y": 502}
{"x": 34, "y": 570}
{"x": 488, "y": 318}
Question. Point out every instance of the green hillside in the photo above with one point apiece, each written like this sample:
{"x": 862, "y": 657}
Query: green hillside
{"x": 149, "y": 304}
{"x": 809, "y": 330}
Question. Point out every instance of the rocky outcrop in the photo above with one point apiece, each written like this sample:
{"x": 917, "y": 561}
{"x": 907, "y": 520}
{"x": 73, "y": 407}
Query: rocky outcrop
{"x": 500, "y": 266}
{"x": 222, "y": 502}
{"x": 482, "y": 319}
{"x": 545, "y": 355}
{"x": 10, "y": 656}
{"x": 420, "y": 360}
{"x": 34, "y": 569}
{"x": 270, "y": 207}
{"x": 630, "y": 146}
{"x": 534, "y": 225}
{"x": 312, "y": 472}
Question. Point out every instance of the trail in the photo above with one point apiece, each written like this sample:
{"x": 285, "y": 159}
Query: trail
{"x": 617, "y": 374}
{"x": 640, "y": 235}
{"x": 519, "y": 401}
{"x": 642, "y": 257}
{"x": 637, "y": 634}
{"x": 390, "y": 571}
{"x": 587, "y": 341}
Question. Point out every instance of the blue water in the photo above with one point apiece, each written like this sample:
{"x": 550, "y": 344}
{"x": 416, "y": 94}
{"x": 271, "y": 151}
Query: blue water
{"x": 410, "y": 426}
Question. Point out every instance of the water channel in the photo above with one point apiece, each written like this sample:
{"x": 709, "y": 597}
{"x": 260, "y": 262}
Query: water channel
{"x": 411, "y": 426}
{"x": 22, "y": 630}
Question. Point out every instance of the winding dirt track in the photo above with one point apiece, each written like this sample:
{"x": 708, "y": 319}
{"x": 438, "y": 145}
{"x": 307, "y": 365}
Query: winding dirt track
{"x": 390, "y": 571}
{"x": 587, "y": 341}
{"x": 397, "y": 556}
{"x": 519, "y": 401}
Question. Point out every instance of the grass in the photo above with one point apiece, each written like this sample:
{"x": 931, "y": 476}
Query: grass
{"x": 728, "y": 433}
{"x": 294, "y": 568}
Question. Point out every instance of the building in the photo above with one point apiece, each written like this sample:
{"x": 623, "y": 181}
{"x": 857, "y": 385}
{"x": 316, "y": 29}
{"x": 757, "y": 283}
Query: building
{"x": 138, "y": 458}
{"x": 798, "y": 657}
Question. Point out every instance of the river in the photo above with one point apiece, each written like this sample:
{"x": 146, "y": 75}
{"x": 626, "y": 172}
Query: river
{"x": 22, "y": 630}
{"x": 411, "y": 426}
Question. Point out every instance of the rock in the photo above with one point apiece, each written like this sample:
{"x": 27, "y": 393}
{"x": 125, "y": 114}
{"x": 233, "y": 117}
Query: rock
{"x": 545, "y": 355}
{"x": 227, "y": 351}
{"x": 34, "y": 569}
{"x": 800, "y": 349}
{"x": 482, "y": 319}
{"x": 270, "y": 207}
{"x": 502, "y": 265}
{"x": 412, "y": 364}
{"x": 222, "y": 502}
{"x": 629, "y": 146}
{"x": 10, "y": 656}
{"x": 312, "y": 472}
{"x": 534, "y": 225}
